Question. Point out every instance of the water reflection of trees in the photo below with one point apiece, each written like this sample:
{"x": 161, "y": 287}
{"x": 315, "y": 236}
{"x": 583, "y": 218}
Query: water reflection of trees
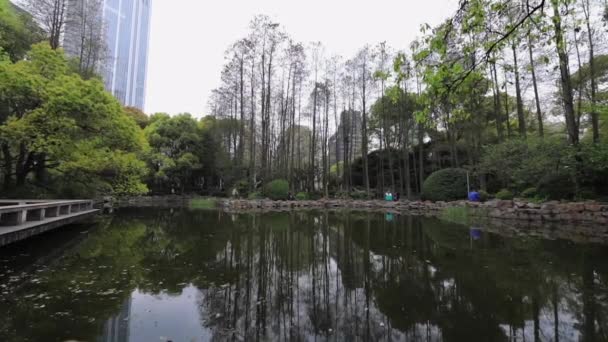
{"x": 339, "y": 275}
{"x": 360, "y": 277}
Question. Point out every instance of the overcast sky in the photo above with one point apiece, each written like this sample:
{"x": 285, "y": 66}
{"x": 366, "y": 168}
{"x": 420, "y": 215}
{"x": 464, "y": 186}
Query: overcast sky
{"x": 188, "y": 38}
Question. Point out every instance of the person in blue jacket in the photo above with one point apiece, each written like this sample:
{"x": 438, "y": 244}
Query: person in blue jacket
{"x": 474, "y": 196}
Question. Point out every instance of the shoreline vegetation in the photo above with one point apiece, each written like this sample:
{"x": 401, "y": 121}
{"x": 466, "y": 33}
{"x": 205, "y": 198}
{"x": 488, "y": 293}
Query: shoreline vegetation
{"x": 461, "y": 211}
{"x": 573, "y": 221}
{"x": 289, "y": 121}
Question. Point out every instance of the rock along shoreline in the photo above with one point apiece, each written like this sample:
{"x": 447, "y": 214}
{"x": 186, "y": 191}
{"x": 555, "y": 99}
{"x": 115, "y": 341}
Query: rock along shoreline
{"x": 550, "y": 212}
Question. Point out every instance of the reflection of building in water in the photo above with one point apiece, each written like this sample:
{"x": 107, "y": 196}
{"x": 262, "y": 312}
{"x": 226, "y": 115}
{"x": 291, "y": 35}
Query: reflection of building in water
{"x": 116, "y": 328}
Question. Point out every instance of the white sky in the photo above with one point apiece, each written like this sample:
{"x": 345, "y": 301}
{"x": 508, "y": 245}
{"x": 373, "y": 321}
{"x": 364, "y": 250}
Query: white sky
{"x": 188, "y": 38}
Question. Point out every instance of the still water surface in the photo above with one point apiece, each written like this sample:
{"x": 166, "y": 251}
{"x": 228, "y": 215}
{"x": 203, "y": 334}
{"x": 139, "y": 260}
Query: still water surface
{"x": 181, "y": 275}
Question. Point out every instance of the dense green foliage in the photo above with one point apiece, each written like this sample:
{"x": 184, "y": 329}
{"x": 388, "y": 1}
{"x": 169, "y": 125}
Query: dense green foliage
{"x": 557, "y": 169}
{"x": 255, "y": 195}
{"x": 62, "y": 135}
{"x": 18, "y": 31}
{"x": 465, "y": 96}
{"x": 504, "y": 194}
{"x": 277, "y": 190}
{"x": 302, "y": 196}
{"x": 445, "y": 185}
{"x": 556, "y": 186}
{"x": 529, "y": 193}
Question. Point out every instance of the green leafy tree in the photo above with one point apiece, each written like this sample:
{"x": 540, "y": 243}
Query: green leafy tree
{"x": 64, "y": 134}
{"x": 18, "y": 31}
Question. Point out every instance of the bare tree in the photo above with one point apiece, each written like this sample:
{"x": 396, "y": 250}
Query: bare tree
{"x": 84, "y": 35}
{"x": 51, "y": 14}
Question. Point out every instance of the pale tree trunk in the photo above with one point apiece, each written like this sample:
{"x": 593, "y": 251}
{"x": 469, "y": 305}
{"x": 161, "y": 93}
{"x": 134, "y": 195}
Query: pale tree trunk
{"x": 364, "y": 128}
{"x": 539, "y": 113}
{"x": 565, "y": 77}
{"x": 592, "y": 73}
{"x": 520, "y": 105}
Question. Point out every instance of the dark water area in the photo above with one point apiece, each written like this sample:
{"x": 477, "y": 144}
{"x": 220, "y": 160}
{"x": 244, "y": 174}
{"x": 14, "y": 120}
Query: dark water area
{"x": 184, "y": 275}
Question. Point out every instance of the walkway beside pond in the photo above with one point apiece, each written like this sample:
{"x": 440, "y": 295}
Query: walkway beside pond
{"x": 21, "y": 219}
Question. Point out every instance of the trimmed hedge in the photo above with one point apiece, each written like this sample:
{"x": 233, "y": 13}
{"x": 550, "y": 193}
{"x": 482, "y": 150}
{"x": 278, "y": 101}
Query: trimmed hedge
{"x": 445, "y": 185}
{"x": 277, "y": 190}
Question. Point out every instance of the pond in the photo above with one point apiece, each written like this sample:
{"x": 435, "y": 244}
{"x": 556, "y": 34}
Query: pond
{"x": 188, "y": 275}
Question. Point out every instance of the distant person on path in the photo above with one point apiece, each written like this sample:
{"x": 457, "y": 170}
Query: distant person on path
{"x": 397, "y": 197}
{"x": 474, "y": 196}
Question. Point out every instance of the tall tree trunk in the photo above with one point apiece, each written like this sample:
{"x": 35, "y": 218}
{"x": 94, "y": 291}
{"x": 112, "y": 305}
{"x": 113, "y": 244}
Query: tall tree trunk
{"x": 364, "y": 130}
{"x": 421, "y": 176}
{"x": 507, "y": 113}
{"x": 325, "y": 145}
{"x": 566, "y": 82}
{"x": 521, "y": 119}
{"x": 8, "y": 167}
{"x": 241, "y": 153}
{"x": 579, "y": 86}
{"x": 595, "y": 122}
{"x": 497, "y": 106}
{"x": 539, "y": 113}
{"x": 252, "y": 154}
{"x": 313, "y": 141}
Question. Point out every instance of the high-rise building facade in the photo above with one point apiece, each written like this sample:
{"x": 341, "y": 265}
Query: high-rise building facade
{"x": 125, "y": 31}
{"x": 127, "y": 26}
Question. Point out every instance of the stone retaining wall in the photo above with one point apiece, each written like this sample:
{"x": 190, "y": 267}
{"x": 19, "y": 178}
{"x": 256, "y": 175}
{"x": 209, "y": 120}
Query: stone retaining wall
{"x": 551, "y": 212}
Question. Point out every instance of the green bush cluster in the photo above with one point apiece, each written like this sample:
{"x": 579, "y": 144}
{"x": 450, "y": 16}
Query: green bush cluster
{"x": 255, "y": 195}
{"x": 505, "y": 194}
{"x": 484, "y": 195}
{"x": 523, "y": 165}
{"x": 359, "y": 195}
{"x": 555, "y": 186}
{"x": 277, "y": 190}
{"x": 445, "y": 185}
{"x": 529, "y": 193}
{"x": 302, "y": 196}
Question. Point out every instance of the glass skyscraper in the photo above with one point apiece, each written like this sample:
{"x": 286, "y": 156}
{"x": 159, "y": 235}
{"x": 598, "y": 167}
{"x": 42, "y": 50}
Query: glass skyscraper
{"x": 125, "y": 26}
{"x": 127, "y": 32}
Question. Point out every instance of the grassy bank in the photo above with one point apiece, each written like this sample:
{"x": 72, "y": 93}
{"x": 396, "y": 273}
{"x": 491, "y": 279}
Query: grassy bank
{"x": 203, "y": 203}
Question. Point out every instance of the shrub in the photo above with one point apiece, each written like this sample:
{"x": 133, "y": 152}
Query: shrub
{"x": 342, "y": 195}
{"x": 529, "y": 193}
{"x": 277, "y": 190}
{"x": 556, "y": 187}
{"x": 520, "y": 163}
{"x": 484, "y": 195}
{"x": 255, "y": 195}
{"x": 242, "y": 186}
{"x": 359, "y": 195}
{"x": 302, "y": 196}
{"x": 445, "y": 185}
{"x": 505, "y": 194}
